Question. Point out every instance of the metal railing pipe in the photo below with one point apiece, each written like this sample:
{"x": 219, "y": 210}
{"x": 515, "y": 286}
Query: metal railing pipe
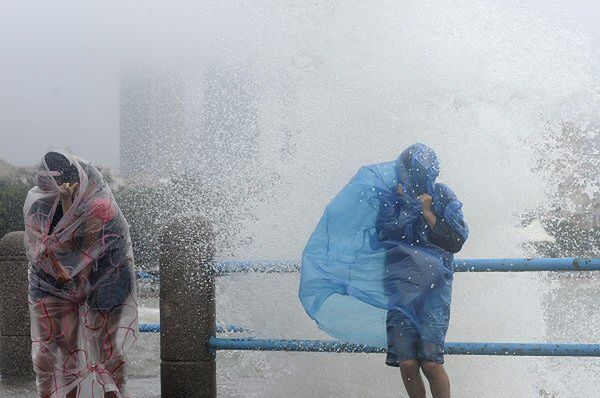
{"x": 498, "y": 349}
{"x": 225, "y": 267}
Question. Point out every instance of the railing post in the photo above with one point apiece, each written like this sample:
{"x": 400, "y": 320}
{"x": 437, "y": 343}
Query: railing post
{"x": 15, "y": 325}
{"x": 187, "y": 308}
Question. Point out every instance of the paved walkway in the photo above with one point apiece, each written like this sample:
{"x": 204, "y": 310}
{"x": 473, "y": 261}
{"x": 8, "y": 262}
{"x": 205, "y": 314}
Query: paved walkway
{"x": 144, "y": 368}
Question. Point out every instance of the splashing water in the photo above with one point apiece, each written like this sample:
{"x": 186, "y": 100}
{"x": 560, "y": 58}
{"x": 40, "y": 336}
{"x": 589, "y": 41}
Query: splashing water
{"x": 283, "y": 101}
{"x": 477, "y": 83}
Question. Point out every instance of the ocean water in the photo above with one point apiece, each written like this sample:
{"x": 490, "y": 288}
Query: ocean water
{"x": 334, "y": 86}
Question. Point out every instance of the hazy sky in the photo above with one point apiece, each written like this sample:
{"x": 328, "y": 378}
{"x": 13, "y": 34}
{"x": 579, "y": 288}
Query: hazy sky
{"x": 60, "y": 65}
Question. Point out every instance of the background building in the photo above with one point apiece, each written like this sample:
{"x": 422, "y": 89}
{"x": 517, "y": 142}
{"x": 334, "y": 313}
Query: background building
{"x": 152, "y": 110}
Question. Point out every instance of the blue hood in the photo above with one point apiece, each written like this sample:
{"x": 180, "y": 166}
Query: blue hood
{"x": 417, "y": 167}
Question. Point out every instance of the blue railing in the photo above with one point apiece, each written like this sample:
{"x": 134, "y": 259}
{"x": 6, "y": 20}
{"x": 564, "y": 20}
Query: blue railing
{"x": 224, "y": 267}
{"x": 515, "y": 349}
{"x": 527, "y": 264}
{"x": 462, "y": 265}
{"x": 155, "y": 328}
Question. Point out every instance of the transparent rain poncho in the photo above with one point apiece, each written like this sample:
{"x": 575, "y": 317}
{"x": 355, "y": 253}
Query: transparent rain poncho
{"x": 371, "y": 253}
{"x": 82, "y": 287}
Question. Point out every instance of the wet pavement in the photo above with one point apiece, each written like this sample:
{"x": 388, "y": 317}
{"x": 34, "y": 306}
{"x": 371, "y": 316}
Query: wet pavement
{"x": 144, "y": 368}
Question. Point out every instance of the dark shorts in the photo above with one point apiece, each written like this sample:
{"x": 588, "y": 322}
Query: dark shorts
{"x": 404, "y": 342}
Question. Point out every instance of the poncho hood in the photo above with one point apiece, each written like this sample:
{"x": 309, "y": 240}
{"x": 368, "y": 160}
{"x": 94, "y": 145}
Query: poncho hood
{"x": 417, "y": 168}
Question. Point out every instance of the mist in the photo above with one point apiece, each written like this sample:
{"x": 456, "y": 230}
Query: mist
{"x": 329, "y": 86}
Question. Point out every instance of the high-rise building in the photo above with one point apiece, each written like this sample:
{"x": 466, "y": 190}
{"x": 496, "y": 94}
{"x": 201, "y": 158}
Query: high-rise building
{"x": 224, "y": 141}
{"x": 170, "y": 125}
{"x": 151, "y": 124}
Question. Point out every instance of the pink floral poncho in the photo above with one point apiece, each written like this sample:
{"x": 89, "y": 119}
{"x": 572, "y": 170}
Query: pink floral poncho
{"x": 82, "y": 287}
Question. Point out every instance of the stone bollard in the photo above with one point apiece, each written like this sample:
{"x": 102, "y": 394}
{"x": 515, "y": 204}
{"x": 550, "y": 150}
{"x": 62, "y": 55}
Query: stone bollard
{"x": 15, "y": 325}
{"x": 187, "y": 308}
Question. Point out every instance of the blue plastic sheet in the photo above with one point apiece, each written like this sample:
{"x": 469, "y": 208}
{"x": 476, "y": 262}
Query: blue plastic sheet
{"x": 371, "y": 253}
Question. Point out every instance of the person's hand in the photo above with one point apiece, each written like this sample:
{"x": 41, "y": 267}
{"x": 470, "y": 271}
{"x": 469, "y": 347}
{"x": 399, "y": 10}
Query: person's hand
{"x": 63, "y": 276}
{"x": 426, "y": 201}
{"x": 67, "y": 190}
{"x": 428, "y": 214}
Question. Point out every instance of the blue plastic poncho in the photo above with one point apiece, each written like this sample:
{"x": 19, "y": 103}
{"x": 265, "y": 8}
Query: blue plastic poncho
{"x": 370, "y": 253}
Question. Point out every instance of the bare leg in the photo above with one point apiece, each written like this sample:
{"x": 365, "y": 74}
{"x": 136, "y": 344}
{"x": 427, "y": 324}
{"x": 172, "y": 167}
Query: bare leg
{"x": 106, "y": 352}
{"x": 411, "y": 376}
{"x": 54, "y": 341}
{"x": 117, "y": 365}
{"x": 439, "y": 383}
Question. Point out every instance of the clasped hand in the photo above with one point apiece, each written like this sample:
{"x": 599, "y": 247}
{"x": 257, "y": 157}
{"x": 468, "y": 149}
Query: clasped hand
{"x": 67, "y": 190}
{"x": 425, "y": 198}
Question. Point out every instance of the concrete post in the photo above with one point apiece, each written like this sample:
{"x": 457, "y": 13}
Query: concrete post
{"x": 187, "y": 308}
{"x": 15, "y": 325}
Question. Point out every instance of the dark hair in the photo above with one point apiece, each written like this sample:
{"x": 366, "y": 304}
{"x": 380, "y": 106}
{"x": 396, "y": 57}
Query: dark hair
{"x": 59, "y": 162}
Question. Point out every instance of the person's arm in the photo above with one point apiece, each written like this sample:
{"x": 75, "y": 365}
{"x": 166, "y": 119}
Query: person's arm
{"x": 428, "y": 214}
{"x": 61, "y": 273}
{"x": 93, "y": 232}
{"x": 442, "y": 234}
{"x": 101, "y": 211}
{"x": 396, "y": 222}
{"x": 66, "y": 192}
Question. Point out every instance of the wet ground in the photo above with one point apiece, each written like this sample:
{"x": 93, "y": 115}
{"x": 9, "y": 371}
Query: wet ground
{"x": 568, "y": 312}
{"x": 144, "y": 370}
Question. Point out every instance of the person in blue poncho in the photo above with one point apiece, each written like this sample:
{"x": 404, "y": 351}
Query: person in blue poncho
{"x": 378, "y": 268}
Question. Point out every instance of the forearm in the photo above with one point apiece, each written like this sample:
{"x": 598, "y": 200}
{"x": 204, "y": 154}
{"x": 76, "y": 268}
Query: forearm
{"x": 430, "y": 217}
{"x": 93, "y": 233}
{"x": 60, "y": 272}
{"x": 395, "y": 222}
{"x": 446, "y": 237}
{"x": 66, "y": 202}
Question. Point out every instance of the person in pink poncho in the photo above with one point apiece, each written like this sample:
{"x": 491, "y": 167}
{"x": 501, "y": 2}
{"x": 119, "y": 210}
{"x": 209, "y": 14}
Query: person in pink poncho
{"x": 82, "y": 286}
